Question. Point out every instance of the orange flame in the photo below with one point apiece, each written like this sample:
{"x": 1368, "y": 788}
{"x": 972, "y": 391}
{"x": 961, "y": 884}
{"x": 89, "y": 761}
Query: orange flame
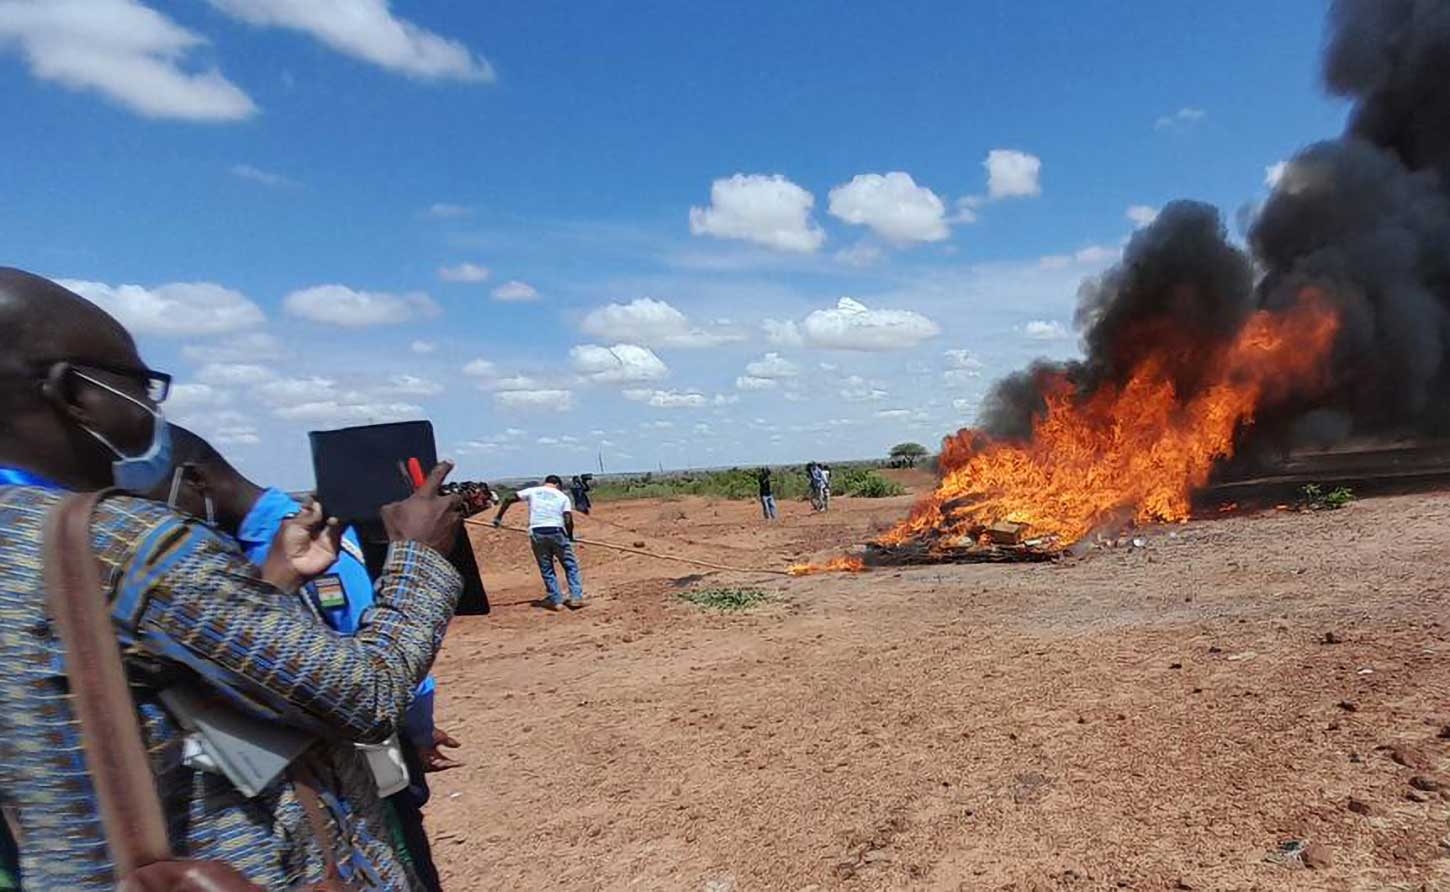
{"x": 1131, "y": 450}
{"x": 835, "y": 565}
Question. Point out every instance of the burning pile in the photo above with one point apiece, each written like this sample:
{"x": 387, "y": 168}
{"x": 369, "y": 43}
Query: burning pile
{"x": 1129, "y": 451}
{"x": 1334, "y": 324}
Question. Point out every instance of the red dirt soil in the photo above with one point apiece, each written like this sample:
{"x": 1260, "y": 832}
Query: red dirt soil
{"x": 1160, "y": 717}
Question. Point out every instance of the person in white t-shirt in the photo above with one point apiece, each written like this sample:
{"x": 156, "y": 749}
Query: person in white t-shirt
{"x": 551, "y": 532}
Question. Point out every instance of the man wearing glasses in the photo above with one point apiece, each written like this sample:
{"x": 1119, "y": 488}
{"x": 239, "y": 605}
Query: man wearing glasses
{"x": 82, "y": 415}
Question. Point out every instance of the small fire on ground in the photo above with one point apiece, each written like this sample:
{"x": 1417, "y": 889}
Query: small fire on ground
{"x": 846, "y": 564}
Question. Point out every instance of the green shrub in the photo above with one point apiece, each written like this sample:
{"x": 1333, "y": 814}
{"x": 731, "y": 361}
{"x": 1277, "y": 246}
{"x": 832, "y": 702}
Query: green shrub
{"x": 1312, "y": 495}
{"x": 864, "y": 483}
{"x": 788, "y": 483}
{"x": 728, "y": 600}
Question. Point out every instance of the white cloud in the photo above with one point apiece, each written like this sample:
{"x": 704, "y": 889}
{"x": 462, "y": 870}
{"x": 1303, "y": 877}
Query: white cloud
{"x": 767, "y": 210}
{"x": 334, "y": 412}
{"x": 1046, "y": 330}
{"x": 504, "y": 440}
{"x": 368, "y": 30}
{"x": 515, "y": 291}
{"x": 748, "y": 382}
{"x": 341, "y": 305}
{"x": 190, "y": 397}
{"x": 556, "y": 400}
{"x": 965, "y": 404}
{"x": 318, "y": 400}
{"x": 175, "y": 310}
{"x": 477, "y": 447}
{"x": 859, "y": 255}
{"x": 1091, "y": 256}
{"x": 1013, "y": 174}
{"x": 851, "y": 325}
{"x": 1094, "y": 255}
{"x": 892, "y": 414}
{"x": 410, "y": 385}
{"x": 960, "y": 377}
{"x": 657, "y": 425}
{"x": 1142, "y": 215}
{"x": 1274, "y": 173}
{"x": 235, "y": 374}
{"x": 1180, "y": 120}
{"x": 893, "y": 206}
{"x": 963, "y": 369}
{"x": 286, "y": 392}
{"x": 772, "y": 365}
{"x": 422, "y": 348}
{"x": 251, "y": 346}
{"x": 463, "y": 272}
{"x": 653, "y": 323}
{"x": 479, "y": 368}
{"x": 621, "y": 363}
{"x": 783, "y": 334}
{"x": 235, "y": 435}
{"x": 258, "y": 175}
{"x": 513, "y": 382}
{"x": 123, "y": 50}
{"x": 668, "y": 399}
{"x": 221, "y": 427}
{"x": 963, "y": 359}
{"x": 967, "y": 208}
{"x": 725, "y": 399}
{"x": 859, "y": 390}
{"x": 445, "y": 211}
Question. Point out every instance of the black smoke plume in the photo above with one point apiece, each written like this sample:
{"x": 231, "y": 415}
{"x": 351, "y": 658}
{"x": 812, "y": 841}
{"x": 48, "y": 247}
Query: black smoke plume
{"x": 1363, "y": 219}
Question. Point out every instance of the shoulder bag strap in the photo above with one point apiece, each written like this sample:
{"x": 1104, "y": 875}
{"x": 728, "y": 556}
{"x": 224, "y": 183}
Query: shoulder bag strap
{"x": 110, "y": 731}
{"x": 305, "y": 787}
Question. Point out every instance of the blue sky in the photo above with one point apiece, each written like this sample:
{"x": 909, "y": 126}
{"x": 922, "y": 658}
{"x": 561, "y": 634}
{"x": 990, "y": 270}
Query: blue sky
{"x": 633, "y": 224}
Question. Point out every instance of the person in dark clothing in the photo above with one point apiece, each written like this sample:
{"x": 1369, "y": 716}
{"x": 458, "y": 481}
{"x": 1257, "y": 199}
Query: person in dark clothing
{"x": 767, "y": 494}
{"x": 579, "y": 489}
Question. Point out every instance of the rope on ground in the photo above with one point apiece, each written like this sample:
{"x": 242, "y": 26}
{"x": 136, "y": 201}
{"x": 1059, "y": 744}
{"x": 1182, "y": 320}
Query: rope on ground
{"x": 665, "y": 557}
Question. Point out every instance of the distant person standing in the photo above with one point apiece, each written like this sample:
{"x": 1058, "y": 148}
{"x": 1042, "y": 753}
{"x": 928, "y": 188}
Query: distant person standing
{"x": 817, "y": 483}
{"x": 825, "y": 471}
{"x": 551, "y": 533}
{"x": 579, "y": 488}
{"x": 767, "y": 495}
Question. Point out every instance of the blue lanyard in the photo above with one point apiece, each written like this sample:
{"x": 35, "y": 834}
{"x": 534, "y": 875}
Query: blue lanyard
{"x": 19, "y": 477}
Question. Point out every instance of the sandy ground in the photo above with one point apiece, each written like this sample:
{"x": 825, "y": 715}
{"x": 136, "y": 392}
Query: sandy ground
{"x": 1154, "y": 718}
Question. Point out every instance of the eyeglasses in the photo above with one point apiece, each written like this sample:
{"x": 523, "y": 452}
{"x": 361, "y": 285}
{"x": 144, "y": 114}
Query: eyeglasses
{"x": 157, "y": 384}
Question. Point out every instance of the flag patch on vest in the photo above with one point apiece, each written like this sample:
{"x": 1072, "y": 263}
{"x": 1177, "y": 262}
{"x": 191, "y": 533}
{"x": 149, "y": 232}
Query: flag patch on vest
{"x": 329, "y": 591}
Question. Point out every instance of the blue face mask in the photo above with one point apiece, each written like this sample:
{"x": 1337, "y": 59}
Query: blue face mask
{"x": 144, "y": 472}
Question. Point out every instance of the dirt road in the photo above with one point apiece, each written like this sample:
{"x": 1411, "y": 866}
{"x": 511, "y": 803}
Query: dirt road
{"x": 1154, "y": 718}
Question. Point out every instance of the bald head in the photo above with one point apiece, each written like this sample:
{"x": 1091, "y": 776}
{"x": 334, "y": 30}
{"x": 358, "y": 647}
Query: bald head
{"x": 40, "y": 320}
{"x": 46, "y": 331}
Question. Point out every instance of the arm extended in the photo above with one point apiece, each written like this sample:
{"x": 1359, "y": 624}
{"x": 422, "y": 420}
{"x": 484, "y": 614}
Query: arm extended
{"x": 189, "y": 597}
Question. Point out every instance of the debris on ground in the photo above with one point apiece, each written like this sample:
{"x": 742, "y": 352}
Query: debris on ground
{"x": 1316, "y": 857}
{"x": 1007, "y": 532}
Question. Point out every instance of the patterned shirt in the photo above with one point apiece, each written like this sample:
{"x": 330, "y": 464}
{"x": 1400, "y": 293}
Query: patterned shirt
{"x": 342, "y": 595}
{"x": 188, "y": 607}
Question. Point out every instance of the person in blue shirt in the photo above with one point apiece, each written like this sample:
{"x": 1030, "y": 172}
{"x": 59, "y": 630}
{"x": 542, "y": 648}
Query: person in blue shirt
{"x": 204, "y": 484}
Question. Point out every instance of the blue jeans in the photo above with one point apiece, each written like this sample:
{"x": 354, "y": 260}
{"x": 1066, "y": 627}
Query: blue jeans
{"x": 550, "y": 543}
{"x": 767, "y": 507}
